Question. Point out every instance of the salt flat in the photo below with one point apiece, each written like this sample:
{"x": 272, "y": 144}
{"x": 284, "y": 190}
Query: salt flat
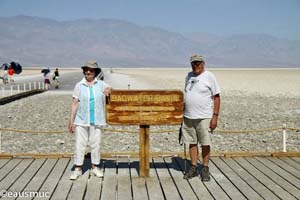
{"x": 267, "y": 81}
{"x": 270, "y": 82}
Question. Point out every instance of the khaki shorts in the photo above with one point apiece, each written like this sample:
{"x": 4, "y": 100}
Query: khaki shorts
{"x": 196, "y": 130}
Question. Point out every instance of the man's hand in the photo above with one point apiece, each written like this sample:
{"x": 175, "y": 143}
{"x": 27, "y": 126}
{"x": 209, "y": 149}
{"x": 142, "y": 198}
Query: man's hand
{"x": 213, "y": 123}
{"x": 214, "y": 119}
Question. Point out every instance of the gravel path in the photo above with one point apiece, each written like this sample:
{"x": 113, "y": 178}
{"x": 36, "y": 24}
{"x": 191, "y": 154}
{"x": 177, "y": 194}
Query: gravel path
{"x": 240, "y": 110}
{"x": 50, "y": 112}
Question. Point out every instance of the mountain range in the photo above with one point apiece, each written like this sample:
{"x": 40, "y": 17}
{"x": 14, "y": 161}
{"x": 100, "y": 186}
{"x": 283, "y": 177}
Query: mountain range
{"x": 34, "y": 41}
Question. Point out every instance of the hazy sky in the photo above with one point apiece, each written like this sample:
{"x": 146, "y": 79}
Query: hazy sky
{"x": 280, "y": 18}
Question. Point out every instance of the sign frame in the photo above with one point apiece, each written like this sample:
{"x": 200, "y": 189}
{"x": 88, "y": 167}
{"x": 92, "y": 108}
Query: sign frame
{"x": 145, "y": 108}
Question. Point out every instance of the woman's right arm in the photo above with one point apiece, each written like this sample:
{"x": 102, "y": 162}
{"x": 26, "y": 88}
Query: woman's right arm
{"x": 74, "y": 108}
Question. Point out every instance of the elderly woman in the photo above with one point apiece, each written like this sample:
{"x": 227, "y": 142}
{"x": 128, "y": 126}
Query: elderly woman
{"x": 87, "y": 116}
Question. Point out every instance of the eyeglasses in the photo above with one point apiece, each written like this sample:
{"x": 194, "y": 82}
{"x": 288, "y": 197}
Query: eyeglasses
{"x": 89, "y": 70}
{"x": 196, "y": 63}
{"x": 193, "y": 82}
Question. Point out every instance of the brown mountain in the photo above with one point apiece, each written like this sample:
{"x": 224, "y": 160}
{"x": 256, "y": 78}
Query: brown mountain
{"x": 35, "y": 41}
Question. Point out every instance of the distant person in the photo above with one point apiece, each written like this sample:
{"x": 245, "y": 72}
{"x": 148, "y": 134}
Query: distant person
{"x": 201, "y": 110}
{"x": 5, "y": 77}
{"x": 11, "y": 73}
{"x": 56, "y": 78}
{"x": 56, "y": 73}
{"x": 87, "y": 116}
{"x": 47, "y": 80}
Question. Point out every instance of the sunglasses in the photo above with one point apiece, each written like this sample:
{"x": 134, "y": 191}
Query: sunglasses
{"x": 196, "y": 63}
{"x": 89, "y": 70}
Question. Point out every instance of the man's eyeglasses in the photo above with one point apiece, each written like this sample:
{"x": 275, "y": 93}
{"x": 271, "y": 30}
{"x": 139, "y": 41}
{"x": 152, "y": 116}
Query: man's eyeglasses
{"x": 193, "y": 82}
{"x": 196, "y": 63}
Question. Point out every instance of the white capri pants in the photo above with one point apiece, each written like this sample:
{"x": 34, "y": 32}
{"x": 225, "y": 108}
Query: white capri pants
{"x": 89, "y": 135}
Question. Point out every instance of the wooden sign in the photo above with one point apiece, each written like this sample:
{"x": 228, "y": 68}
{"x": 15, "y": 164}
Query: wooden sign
{"x": 145, "y": 107}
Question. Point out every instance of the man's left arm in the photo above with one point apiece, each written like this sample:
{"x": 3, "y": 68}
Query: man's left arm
{"x": 214, "y": 119}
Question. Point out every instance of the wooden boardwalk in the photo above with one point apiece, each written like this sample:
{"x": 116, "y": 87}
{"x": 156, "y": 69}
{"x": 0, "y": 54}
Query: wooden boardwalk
{"x": 232, "y": 178}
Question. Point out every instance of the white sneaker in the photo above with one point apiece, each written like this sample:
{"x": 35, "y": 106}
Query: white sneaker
{"x": 75, "y": 174}
{"x": 96, "y": 172}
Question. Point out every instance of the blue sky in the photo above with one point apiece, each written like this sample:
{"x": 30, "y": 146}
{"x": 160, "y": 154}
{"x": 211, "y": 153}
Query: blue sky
{"x": 280, "y": 18}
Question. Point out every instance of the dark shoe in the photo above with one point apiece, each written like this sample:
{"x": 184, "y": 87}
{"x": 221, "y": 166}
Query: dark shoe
{"x": 191, "y": 173}
{"x": 205, "y": 173}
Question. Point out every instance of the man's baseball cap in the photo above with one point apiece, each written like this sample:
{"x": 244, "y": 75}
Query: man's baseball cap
{"x": 196, "y": 57}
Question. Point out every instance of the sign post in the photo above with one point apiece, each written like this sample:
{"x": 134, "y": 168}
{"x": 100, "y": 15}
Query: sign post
{"x": 145, "y": 108}
{"x": 144, "y": 150}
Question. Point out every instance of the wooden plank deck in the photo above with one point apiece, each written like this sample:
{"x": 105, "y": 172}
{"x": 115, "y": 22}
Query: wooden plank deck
{"x": 231, "y": 178}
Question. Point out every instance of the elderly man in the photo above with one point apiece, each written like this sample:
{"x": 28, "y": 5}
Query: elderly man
{"x": 201, "y": 110}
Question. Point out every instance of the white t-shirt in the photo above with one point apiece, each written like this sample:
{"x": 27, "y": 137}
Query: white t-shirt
{"x": 199, "y": 93}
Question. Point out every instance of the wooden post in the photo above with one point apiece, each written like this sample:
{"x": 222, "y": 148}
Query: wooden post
{"x": 284, "y": 137}
{"x": 144, "y": 151}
